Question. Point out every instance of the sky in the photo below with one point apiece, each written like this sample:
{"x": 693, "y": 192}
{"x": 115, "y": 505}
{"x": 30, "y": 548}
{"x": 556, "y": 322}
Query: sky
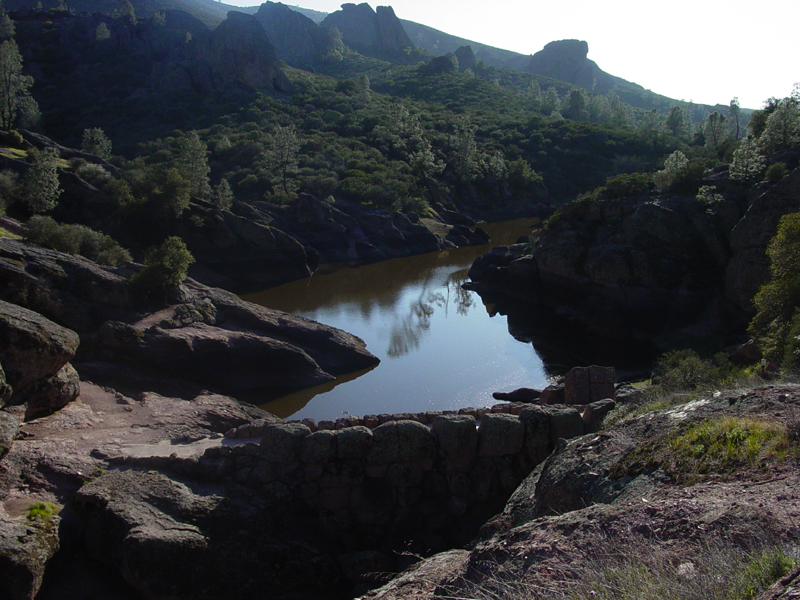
{"x": 706, "y": 51}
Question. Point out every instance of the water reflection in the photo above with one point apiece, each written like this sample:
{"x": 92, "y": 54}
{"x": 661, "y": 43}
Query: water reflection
{"x": 439, "y": 348}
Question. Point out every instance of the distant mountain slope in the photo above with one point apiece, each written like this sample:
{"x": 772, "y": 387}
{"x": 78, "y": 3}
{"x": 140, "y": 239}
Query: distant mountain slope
{"x": 210, "y": 12}
{"x": 439, "y": 42}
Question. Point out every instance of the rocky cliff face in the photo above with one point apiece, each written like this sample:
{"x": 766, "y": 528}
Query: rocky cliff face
{"x": 373, "y": 33}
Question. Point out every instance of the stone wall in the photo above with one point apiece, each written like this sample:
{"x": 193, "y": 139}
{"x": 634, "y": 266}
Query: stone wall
{"x": 399, "y": 479}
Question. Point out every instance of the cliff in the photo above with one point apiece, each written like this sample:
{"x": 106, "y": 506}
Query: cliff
{"x": 297, "y": 39}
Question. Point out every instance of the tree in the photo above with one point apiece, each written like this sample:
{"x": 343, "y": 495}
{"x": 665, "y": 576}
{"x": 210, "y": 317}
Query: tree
{"x": 96, "y": 142}
{"x": 576, "y": 105}
{"x": 14, "y": 86}
{"x": 715, "y": 131}
{"x": 676, "y": 121}
{"x": 550, "y": 102}
{"x": 465, "y": 151}
{"x": 40, "y": 185}
{"x": 674, "y": 163}
{"x": 782, "y": 127}
{"x": 748, "y": 164}
{"x": 102, "y": 32}
{"x": 126, "y": 10}
{"x": 222, "y": 196}
{"x": 652, "y": 125}
{"x": 734, "y": 119}
{"x": 363, "y": 95}
{"x": 778, "y": 300}
{"x": 7, "y": 28}
{"x": 620, "y": 115}
{"x": 165, "y": 267}
{"x": 279, "y": 158}
{"x": 192, "y": 162}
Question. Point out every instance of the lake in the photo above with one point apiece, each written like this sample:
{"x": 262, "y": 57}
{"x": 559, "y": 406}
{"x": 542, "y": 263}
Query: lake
{"x": 439, "y": 347}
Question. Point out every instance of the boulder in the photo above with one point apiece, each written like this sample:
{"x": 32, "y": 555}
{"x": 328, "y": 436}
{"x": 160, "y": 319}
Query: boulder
{"x": 500, "y": 435}
{"x": 9, "y": 428}
{"x": 583, "y": 385}
{"x": 170, "y": 539}
{"x": 458, "y": 440}
{"x": 466, "y": 58}
{"x": 518, "y": 395}
{"x": 566, "y": 60}
{"x": 34, "y": 353}
{"x": 26, "y": 547}
{"x": 297, "y": 39}
{"x": 595, "y": 412}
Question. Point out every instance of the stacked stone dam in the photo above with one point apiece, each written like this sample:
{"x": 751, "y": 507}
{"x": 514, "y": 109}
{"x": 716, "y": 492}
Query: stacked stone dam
{"x": 401, "y": 479}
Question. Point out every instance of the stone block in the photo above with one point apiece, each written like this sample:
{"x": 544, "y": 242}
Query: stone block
{"x": 602, "y": 382}
{"x": 353, "y": 442}
{"x": 500, "y": 434}
{"x": 405, "y": 474}
{"x": 416, "y": 441}
{"x": 319, "y": 448}
{"x": 537, "y": 432}
{"x": 385, "y": 448}
{"x": 595, "y": 412}
{"x": 457, "y": 438}
{"x": 281, "y": 442}
{"x": 552, "y": 394}
{"x": 577, "y": 386}
{"x": 565, "y": 422}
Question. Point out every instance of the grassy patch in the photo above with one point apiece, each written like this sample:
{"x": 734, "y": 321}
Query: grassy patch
{"x": 719, "y": 446}
{"x": 42, "y": 512}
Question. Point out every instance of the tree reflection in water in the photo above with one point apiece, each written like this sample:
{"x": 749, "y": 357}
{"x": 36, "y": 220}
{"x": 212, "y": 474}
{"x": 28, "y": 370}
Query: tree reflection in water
{"x": 407, "y": 332}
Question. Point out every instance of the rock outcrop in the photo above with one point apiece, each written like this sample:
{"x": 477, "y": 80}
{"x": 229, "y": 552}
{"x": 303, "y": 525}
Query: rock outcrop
{"x": 237, "y": 53}
{"x": 592, "y": 499}
{"x": 35, "y": 355}
{"x": 370, "y": 32}
{"x": 212, "y": 338}
{"x": 566, "y": 60}
{"x": 652, "y": 268}
{"x": 297, "y": 39}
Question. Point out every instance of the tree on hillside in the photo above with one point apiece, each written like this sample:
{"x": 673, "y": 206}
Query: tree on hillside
{"x": 192, "y": 162}
{"x": 165, "y": 267}
{"x": 748, "y": 164}
{"x": 464, "y": 158}
{"x": 550, "y": 102}
{"x": 102, "y": 32}
{"x": 620, "y": 113}
{"x": 673, "y": 165}
{"x": 576, "y": 105}
{"x": 222, "y": 196}
{"x": 126, "y": 10}
{"x": 7, "y": 28}
{"x": 96, "y": 142}
{"x": 776, "y": 322}
{"x": 40, "y": 187}
{"x": 676, "y": 121}
{"x": 715, "y": 129}
{"x": 15, "y": 100}
{"x": 782, "y": 127}
{"x": 734, "y": 119}
{"x": 279, "y": 158}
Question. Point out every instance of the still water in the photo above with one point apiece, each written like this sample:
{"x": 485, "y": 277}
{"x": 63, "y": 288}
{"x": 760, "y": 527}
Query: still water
{"x": 439, "y": 347}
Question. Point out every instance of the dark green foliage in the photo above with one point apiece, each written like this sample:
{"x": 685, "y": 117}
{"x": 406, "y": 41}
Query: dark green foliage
{"x": 681, "y": 370}
{"x": 96, "y": 142}
{"x": 778, "y": 300}
{"x": 165, "y": 268}
{"x": 39, "y": 187}
{"x": 75, "y": 239}
{"x": 623, "y": 186}
{"x": 776, "y": 172}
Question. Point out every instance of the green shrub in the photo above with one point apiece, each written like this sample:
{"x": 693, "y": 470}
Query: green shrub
{"x": 75, "y": 239}
{"x": 776, "y": 172}
{"x": 623, "y": 186}
{"x": 165, "y": 268}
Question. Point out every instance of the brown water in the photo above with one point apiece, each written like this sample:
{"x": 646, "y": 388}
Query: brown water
{"x": 438, "y": 345}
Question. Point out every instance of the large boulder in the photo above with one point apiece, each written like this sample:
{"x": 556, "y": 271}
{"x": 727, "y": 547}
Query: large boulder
{"x": 179, "y": 540}
{"x": 566, "y": 60}
{"x": 35, "y": 353}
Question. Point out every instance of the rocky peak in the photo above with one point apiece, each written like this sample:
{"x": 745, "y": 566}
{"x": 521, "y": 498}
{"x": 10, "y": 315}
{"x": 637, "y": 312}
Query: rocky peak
{"x": 297, "y": 39}
{"x": 367, "y": 31}
{"x": 566, "y": 60}
{"x": 237, "y": 53}
{"x": 466, "y": 58}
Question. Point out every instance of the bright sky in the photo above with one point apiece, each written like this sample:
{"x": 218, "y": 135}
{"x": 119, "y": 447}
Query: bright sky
{"x": 707, "y": 51}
